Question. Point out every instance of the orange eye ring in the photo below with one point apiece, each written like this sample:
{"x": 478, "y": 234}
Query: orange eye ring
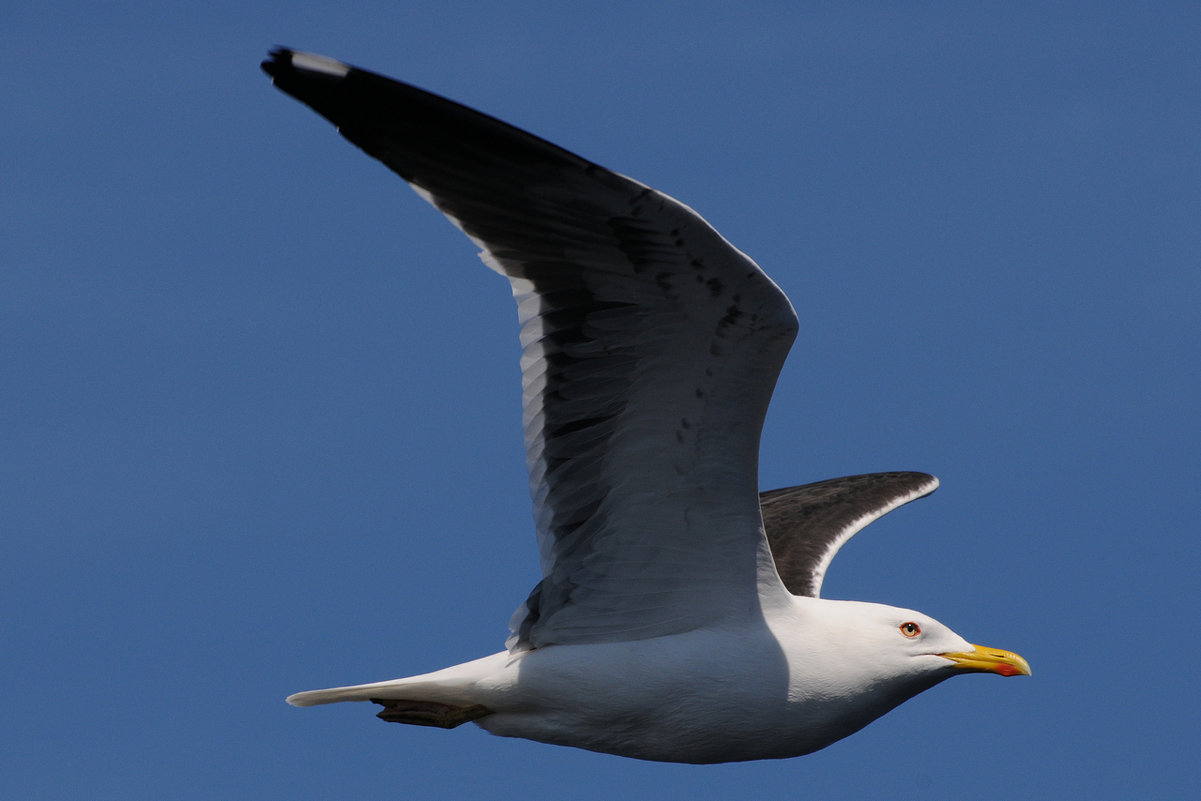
{"x": 910, "y": 629}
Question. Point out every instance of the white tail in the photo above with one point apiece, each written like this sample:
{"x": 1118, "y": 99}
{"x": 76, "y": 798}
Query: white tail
{"x": 452, "y": 686}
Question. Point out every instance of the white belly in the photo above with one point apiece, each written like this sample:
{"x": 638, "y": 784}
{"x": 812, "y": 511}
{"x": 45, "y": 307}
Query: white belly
{"x": 710, "y": 696}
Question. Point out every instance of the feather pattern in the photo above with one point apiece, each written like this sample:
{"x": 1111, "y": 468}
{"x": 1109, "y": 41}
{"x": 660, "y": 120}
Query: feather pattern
{"x": 650, "y": 349}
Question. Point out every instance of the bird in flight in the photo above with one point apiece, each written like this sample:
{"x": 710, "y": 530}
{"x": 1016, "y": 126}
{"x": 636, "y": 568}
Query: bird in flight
{"x": 678, "y": 617}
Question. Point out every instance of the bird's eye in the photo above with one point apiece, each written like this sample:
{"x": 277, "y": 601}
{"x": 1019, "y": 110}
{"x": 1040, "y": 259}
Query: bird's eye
{"x": 911, "y": 629}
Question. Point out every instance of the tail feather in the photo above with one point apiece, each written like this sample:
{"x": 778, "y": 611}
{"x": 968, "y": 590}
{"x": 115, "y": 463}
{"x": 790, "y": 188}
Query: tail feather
{"x": 361, "y": 692}
{"x": 453, "y": 686}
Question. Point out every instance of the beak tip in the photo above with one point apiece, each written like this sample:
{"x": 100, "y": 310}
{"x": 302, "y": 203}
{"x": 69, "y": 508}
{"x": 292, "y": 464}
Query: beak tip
{"x": 1014, "y": 670}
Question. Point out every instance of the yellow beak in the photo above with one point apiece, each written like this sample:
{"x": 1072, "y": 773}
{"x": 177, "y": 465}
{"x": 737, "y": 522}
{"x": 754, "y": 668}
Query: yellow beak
{"x": 989, "y": 660}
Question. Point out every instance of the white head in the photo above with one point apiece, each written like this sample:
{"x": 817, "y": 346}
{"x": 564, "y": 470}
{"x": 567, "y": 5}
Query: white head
{"x": 888, "y": 642}
{"x": 853, "y": 661}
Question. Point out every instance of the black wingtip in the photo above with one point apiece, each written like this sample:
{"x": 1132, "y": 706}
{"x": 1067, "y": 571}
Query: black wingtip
{"x": 293, "y": 68}
{"x": 280, "y": 59}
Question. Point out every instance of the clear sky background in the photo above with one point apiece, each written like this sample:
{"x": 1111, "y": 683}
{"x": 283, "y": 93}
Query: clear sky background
{"x": 259, "y": 404}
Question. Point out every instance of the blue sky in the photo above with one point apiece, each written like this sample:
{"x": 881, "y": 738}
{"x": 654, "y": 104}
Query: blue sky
{"x": 259, "y": 415}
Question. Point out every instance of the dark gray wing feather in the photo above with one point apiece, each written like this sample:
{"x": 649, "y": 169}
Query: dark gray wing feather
{"x": 806, "y": 525}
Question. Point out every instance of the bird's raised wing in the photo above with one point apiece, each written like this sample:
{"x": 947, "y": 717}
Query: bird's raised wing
{"x": 806, "y": 525}
{"x": 650, "y": 350}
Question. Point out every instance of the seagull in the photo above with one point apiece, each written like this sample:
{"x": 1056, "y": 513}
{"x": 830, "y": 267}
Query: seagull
{"x": 679, "y": 616}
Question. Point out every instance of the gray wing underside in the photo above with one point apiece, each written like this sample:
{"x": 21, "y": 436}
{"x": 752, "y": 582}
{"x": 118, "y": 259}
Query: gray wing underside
{"x": 806, "y": 525}
{"x": 650, "y": 348}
